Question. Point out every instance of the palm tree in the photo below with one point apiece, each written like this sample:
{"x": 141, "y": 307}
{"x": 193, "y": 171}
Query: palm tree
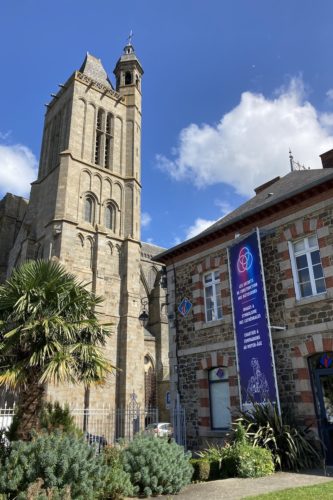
{"x": 49, "y": 333}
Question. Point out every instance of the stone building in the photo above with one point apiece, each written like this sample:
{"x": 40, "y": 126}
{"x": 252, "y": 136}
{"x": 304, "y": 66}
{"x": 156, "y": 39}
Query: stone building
{"x": 294, "y": 215}
{"x": 85, "y": 210}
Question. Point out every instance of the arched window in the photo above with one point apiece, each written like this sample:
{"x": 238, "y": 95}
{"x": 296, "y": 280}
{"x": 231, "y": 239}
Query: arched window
{"x": 150, "y": 383}
{"x": 108, "y": 141}
{"x": 104, "y": 138}
{"x": 99, "y": 136}
{"x": 109, "y": 217}
{"x": 128, "y": 78}
{"x": 89, "y": 207}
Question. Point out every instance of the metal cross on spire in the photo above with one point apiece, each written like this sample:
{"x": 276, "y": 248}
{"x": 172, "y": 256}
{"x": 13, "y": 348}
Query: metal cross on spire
{"x": 129, "y": 38}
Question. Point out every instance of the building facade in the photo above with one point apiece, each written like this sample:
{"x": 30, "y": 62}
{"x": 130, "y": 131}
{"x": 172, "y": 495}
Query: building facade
{"x": 85, "y": 211}
{"x": 294, "y": 215}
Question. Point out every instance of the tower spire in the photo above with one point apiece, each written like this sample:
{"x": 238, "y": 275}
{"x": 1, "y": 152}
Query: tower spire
{"x": 129, "y": 49}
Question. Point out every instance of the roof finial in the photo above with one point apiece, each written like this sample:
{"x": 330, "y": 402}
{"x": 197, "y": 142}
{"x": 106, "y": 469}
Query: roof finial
{"x": 129, "y": 49}
{"x": 129, "y": 38}
{"x": 291, "y": 159}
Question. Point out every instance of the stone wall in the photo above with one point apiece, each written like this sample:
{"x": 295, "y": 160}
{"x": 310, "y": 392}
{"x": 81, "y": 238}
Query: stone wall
{"x": 196, "y": 346}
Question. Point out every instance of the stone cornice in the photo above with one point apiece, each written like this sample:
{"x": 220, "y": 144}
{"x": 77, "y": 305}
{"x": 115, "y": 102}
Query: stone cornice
{"x": 81, "y": 77}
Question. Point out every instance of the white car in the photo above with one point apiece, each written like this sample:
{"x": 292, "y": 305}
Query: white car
{"x": 160, "y": 429}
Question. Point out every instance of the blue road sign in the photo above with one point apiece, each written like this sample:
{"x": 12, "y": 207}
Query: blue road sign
{"x": 184, "y": 307}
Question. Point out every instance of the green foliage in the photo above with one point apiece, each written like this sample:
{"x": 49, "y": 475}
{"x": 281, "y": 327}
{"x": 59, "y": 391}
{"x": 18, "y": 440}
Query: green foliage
{"x": 49, "y": 328}
{"x": 292, "y": 446}
{"x": 53, "y": 463}
{"x": 201, "y": 468}
{"x": 254, "y": 461}
{"x": 229, "y": 461}
{"x": 243, "y": 460}
{"x": 49, "y": 332}
{"x": 215, "y": 469}
{"x": 118, "y": 482}
{"x": 56, "y": 418}
{"x": 213, "y": 453}
{"x": 156, "y": 467}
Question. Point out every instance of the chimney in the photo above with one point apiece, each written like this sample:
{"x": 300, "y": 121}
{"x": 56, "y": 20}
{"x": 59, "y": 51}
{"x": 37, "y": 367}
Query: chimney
{"x": 327, "y": 159}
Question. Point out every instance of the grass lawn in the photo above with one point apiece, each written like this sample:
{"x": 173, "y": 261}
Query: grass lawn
{"x": 318, "y": 492}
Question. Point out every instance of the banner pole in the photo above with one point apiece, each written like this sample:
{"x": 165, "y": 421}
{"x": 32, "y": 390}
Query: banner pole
{"x": 269, "y": 322}
{"x": 235, "y": 337}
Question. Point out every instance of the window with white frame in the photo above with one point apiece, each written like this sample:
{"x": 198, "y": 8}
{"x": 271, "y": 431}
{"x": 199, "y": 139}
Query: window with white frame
{"x": 219, "y": 398}
{"x": 213, "y": 301}
{"x": 307, "y": 269}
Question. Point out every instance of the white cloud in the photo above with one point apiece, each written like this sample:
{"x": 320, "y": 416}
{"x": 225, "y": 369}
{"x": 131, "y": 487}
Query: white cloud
{"x": 250, "y": 144}
{"x": 18, "y": 168}
{"x": 198, "y": 226}
{"x": 145, "y": 219}
{"x": 224, "y": 206}
{"x": 329, "y": 94}
{"x": 5, "y": 135}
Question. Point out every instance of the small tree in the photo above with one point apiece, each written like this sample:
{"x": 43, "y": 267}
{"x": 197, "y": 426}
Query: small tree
{"x": 50, "y": 333}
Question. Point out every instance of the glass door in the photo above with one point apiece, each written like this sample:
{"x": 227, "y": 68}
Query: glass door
{"x": 324, "y": 386}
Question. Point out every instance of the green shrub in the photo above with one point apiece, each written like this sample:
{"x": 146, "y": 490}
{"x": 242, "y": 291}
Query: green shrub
{"x": 229, "y": 461}
{"x": 214, "y": 471}
{"x": 201, "y": 468}
{"x": 54, "y": 417}
{"x": 213, "y": 453}
{"x": 254, "y": 461}
{"x": 118, "y": 482}
{"x": 244, "y": 460}
{"x": 156, "y": 466}
{"x": 60, "y": 461}
{"x": 293, "y": 447}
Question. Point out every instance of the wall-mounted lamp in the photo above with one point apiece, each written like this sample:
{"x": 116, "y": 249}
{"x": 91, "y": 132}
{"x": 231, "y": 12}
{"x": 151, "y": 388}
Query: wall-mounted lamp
{"x": 144, "y": 317}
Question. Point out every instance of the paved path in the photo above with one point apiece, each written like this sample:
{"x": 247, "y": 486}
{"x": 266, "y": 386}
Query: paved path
{"x": 236, "y": 488}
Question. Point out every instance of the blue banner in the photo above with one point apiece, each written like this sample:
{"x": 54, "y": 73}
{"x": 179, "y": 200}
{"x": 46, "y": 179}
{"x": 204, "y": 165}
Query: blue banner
{"x": 252, "y": 330}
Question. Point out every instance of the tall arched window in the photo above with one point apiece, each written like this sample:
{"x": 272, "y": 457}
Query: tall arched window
{"x": 89, "y": 209}
{"x": 150, "y": 383}
{"x": 109, "y": 217}
{"x": 104, "y": 138}
{"x": 99, "y": 137}
{"x": 108, "y": 141}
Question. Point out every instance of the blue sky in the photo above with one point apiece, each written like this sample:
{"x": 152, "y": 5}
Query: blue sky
{"x": 228, "y": 87}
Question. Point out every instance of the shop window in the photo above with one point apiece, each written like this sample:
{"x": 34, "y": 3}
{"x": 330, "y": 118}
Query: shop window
{"x": 307, "y": 269}
{"x": 219, "y": 398}
{"x": 213, "y": 300}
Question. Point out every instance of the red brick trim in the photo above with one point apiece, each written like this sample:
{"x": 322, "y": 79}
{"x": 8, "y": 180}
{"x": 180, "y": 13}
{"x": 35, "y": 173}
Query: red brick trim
{"x": 300, "y": 353}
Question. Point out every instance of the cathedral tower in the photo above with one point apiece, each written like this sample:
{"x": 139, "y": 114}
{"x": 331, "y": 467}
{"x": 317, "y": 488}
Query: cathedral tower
{"x": 84, "y": 208}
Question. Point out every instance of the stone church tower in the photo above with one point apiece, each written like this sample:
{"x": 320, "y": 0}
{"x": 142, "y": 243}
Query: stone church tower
{"x": 84, "y": 210}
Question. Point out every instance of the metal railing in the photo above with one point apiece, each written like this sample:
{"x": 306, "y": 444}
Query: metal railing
{"x": 106, "y": 425}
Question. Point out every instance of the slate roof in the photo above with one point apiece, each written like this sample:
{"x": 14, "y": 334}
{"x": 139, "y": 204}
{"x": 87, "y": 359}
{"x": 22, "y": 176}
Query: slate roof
{"x": 286, "y": 187}
{"x": 150, "y": 249}
{"x": 93, "y": 68}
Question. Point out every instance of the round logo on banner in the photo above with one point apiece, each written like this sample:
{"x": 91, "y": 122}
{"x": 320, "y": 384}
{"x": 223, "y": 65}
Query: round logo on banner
{"x": 245, "y": 260}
